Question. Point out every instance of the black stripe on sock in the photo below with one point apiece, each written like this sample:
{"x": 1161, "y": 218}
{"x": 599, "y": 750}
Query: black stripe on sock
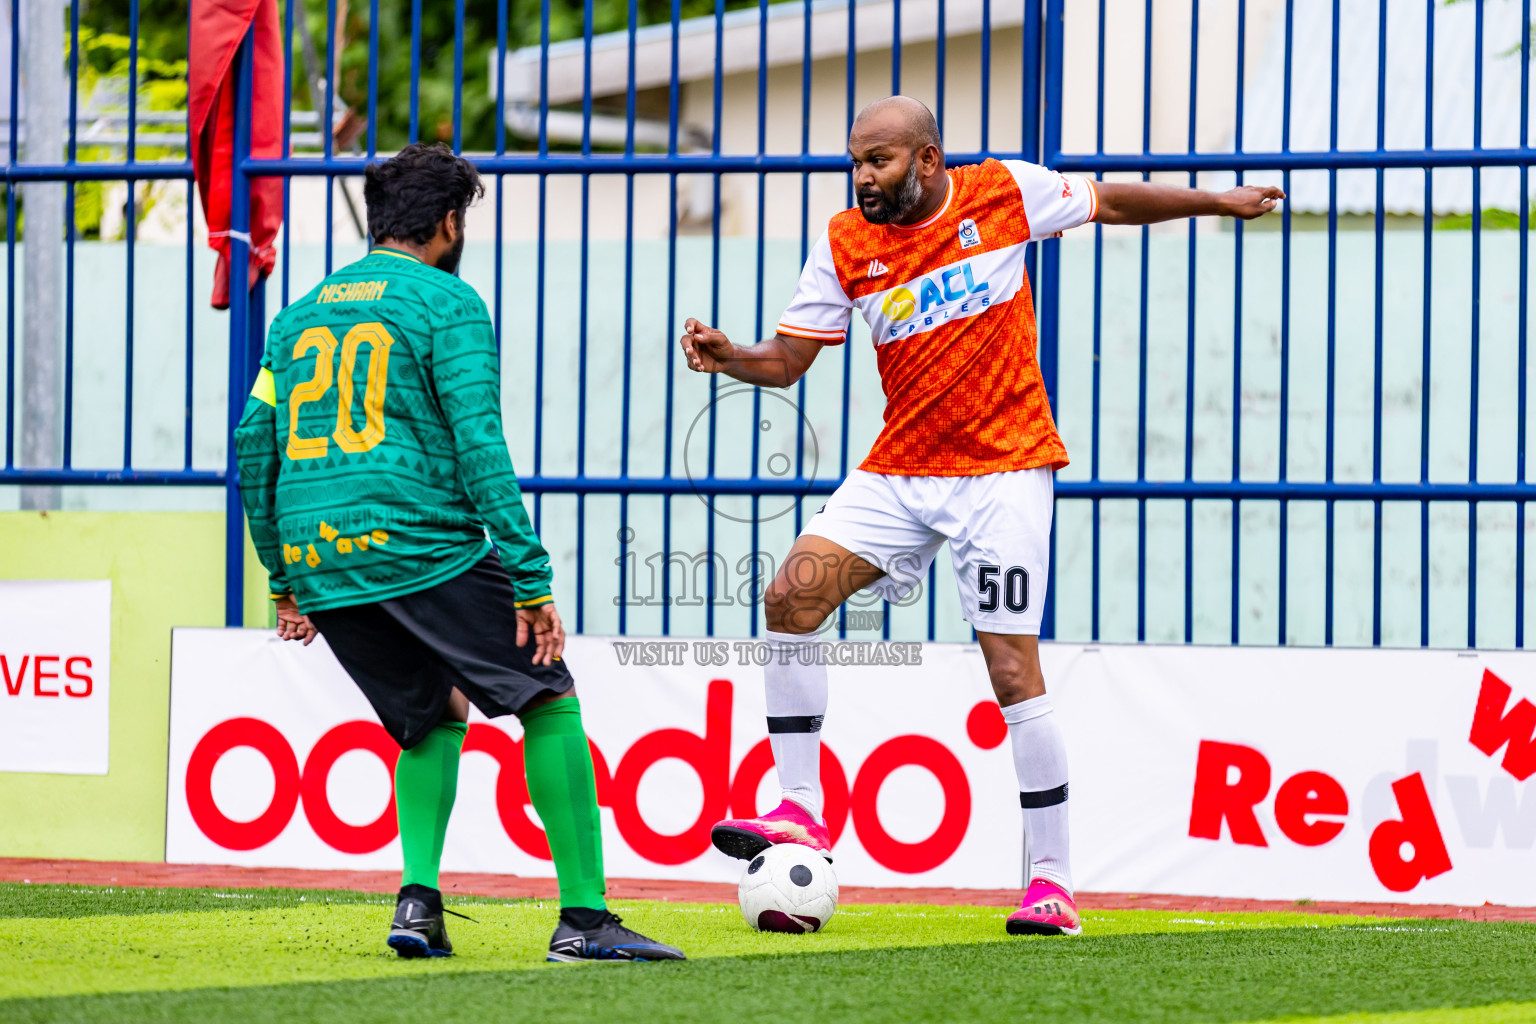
{"x": 794, "y": 723}
{"x": 1044, "y": 797}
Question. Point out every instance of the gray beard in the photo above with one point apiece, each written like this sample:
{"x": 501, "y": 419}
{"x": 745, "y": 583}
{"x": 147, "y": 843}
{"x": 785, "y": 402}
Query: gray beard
{"x": 909, "y": 194}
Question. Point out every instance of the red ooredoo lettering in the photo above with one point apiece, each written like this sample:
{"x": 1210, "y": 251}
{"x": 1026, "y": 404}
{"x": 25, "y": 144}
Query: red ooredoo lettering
{"x": 708, "y": 755}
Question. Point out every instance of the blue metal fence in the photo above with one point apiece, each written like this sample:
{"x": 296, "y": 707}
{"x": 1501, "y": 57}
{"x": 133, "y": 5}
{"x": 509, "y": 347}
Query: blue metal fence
{"x": 1043, "y": 79}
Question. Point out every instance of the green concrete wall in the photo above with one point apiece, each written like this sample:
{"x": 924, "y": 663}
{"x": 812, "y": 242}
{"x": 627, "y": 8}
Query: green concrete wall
{"x": 167, "y": 569}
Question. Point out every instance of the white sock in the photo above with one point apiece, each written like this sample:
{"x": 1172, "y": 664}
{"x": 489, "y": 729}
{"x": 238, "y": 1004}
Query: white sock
{"x": 797, "y": 701}
{"x": 1040, "y": 758}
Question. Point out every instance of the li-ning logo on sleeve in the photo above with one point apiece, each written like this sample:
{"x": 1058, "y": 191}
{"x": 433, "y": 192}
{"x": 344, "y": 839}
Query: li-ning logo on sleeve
{"x": 955, "y": 292}
{"x": 876, "y": 268}
{"x": 969, "y": 235}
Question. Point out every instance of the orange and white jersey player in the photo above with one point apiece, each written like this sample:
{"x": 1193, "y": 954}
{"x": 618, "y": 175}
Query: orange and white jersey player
{"x": 933, "y": 260}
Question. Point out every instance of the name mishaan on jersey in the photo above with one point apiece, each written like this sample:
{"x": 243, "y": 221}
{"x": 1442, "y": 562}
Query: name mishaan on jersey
{"x": 952, "y": 292}
{"x": 352, "y": 291}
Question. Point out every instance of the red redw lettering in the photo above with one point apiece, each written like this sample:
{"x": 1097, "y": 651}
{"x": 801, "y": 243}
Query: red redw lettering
{"x": 1492, "y": 728}
{"x": 1309, "y": 793}
{"x": 1216, "y": 799}
{"x": 1419, "y": 829}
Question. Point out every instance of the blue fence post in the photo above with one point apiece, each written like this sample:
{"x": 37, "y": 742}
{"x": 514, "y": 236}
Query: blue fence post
{"x": 240, "y": 328}
{"x": 1049, "y": 281}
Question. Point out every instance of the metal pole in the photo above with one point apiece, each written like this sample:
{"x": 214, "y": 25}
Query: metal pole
{"x": 42, "y": 414}
{"x": 240, "y": 304}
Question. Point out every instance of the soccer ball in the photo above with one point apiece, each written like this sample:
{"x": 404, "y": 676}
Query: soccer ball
{"x": 788, "y": 888}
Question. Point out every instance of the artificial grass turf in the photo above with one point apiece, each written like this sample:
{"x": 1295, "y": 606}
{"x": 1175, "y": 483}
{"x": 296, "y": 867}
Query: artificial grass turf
{"x": 293, "y": 961}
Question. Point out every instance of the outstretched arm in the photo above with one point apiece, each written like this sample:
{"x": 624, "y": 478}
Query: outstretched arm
{"x": 777, "y": 362}
{"x": 1147, "y": 202}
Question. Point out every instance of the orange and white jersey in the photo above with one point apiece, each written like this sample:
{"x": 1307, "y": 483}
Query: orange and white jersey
{"x": 949, "y": 309}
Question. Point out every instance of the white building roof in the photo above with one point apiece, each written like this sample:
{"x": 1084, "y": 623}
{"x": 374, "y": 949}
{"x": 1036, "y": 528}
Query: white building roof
{"x": 874, "y": 20}
{"x": 1453, "y": 107}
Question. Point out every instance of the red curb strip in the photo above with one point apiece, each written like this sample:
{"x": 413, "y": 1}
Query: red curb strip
{"x": 131, "y": 873}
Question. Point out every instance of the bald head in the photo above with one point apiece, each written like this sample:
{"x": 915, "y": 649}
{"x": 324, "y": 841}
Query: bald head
{"x": 898, "y": 119}
{"x": 898, "y": 161}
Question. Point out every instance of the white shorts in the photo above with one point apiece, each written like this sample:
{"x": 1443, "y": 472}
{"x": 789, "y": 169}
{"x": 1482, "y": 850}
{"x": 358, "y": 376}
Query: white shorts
{"x": 998, "y": 526}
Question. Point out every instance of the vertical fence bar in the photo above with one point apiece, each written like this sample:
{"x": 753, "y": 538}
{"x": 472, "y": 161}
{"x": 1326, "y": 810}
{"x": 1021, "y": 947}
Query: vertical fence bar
{"x": 1237, "y": 337}
{"x": 757, "y": 322}
{"x": 1095, "y": 587}
{"x": 714, "y": 306}
{"x": 895, "y": 47}
{"x": 1424, "y": 379}
{"x": 1142, "y": 337}
{"x": 498, "y": 255}
{"x": 581, "y": 369}
{"x": 326, "y": 120}
{"x": 1285, "y": 331}
{"x": 239, "y": 333}
{"x": 1050, "y": 261}
{"x": 986, "y": 75}
{"x": 131, "y": 228}
{"x": 940, "y": 46}
{"x": 538, "y": 335}
{"x": 805, "y": 240}
{"x": 1189, "y": 341}
{"x": 1333, "y": 277}
{"x": 1379, "y": 361}
{"x": 70, "y": 229}
{"x": 1521, "y": 329}
{"x": 288, "y": 9}
{"x": 1476, "y": 325}
{"x": 10, "y": 244}
{"x": 415, "y": 125}
{"x": 673, "y": 99}
{"x": 373, "y": 77}
{"x": 458, "y": 82}
{"x": 629, "y": 308}
{"x": 1032, "y": 59}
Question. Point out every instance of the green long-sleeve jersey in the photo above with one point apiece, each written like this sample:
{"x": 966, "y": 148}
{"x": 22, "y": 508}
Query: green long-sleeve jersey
{"x": 371, "y": 453}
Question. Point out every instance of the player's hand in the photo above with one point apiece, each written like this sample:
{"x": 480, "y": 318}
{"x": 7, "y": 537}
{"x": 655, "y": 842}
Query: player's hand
{"x": 293, "y": 624}
{"x": 1249, "y": 201}
{"x": 548, "y": 632}
{"x": 707, "y": 349}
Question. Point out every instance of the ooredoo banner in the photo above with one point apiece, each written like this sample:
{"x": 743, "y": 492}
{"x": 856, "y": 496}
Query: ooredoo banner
{"x": 1243, "y": 772}
{"x": 56, "y": 666}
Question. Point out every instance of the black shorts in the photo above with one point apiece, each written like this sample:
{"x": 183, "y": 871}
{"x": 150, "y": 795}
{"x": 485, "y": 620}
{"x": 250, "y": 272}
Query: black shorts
{"x": 408, "y": 653}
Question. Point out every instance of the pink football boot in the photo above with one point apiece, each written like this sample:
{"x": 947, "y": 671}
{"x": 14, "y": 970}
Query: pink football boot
{"x": 1046, "y": 910}
{"x": 745, "y": 838}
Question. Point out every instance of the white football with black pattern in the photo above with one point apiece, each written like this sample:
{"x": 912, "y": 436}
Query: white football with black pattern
{"x": 788, "y": 888}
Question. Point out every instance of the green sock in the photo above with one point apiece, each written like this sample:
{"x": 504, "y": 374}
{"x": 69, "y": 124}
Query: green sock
{"x": 564, "y": 792}
{"x": 426, "y": 780}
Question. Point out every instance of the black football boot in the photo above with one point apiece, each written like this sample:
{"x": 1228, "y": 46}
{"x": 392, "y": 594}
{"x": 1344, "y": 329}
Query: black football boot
{"x": 588, "y": 936}
{"x": 418, "y": 928}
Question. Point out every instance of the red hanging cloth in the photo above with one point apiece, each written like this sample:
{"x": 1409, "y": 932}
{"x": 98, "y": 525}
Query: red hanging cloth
{"x": 218, "y": 27}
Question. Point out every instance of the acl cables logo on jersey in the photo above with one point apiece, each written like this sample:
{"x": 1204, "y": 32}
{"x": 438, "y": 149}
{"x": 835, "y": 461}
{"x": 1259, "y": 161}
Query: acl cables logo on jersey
{"x": 954, "y": 292}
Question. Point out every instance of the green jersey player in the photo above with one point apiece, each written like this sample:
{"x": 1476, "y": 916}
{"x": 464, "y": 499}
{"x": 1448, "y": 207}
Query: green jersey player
{"x": 383, "y": 503}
